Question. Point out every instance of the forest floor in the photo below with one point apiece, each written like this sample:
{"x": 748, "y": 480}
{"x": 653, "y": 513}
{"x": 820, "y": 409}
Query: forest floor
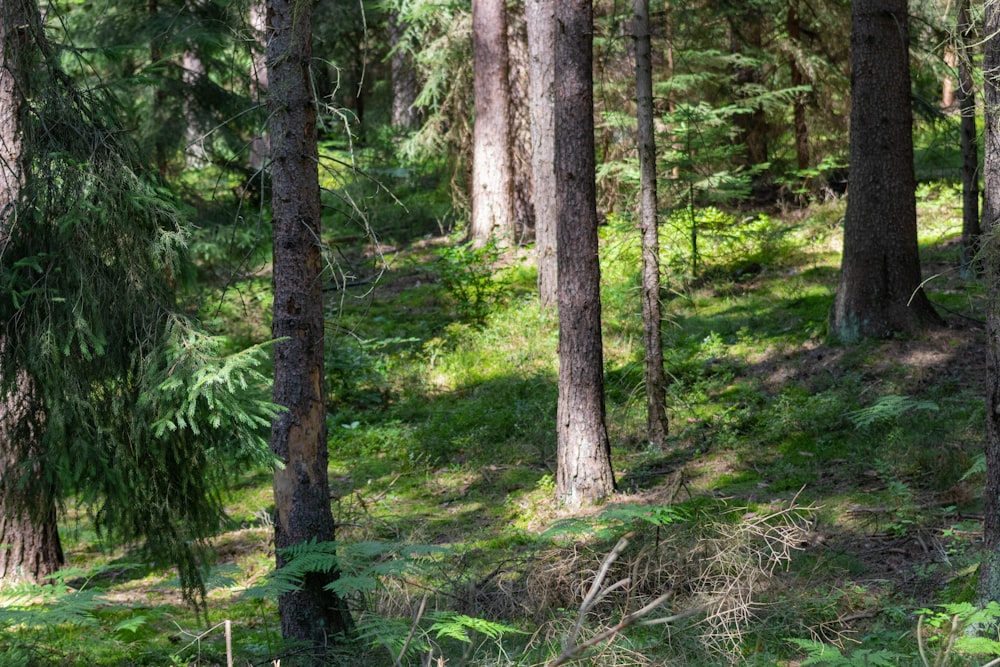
{"x": 813, "y": 500}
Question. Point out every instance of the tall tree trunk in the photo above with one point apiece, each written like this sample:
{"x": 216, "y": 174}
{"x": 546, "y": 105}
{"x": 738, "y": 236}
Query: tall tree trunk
{"x": 970, "y": 145}
{"x": 29, "y": 539}
{"x": 405, "y": 86}
{"x": 989, "y": 570}
{"x": 258, "y": 81}
{"x": 746, "y": 37}
{"x": 540, "y": 20}
{"x": 492, "y": 176}
{"x": 802, "y": 157}
{"x": 523, "y": 210}
{"x": 584, "y": 474}
{"x": 879, "y": 290}
{"x": 193, "y": 74}
{"x": 299, "y": 436}
{"x": 656, "y": 381}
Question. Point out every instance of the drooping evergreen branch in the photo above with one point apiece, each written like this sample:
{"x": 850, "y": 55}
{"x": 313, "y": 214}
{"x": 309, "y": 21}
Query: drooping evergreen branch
{"x": 140, "y": 413}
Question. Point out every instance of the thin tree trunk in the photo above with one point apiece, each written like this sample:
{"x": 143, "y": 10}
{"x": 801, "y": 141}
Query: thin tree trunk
{"x": 989, "y": 570}
{"x": 405, "y": 87}
{"x": 583, "y": 474}
{"x": 970, "y": 146}
{"x": 492, "y": 175}
{"x": 540, "y": 19}
{"x": 29, "y": 539}
{"x": 258, "y": 82}
{"x": 802, "y": 157}
{"x": 299, "y": 436}
{"x": 523, "y": 208}
{"x": 656, "y": 381}
{"x": 879, "y": 290}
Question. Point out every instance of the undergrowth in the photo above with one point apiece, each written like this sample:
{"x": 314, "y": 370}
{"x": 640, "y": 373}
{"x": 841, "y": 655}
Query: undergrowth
{"x": 812, "y": 506}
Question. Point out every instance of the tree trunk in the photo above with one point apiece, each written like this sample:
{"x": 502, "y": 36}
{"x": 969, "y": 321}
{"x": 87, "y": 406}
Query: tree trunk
{"x": 656, "y": 381}
{"x": 523, "y": 211}
{"x": 492, "y": 177}
{"x": 29, "y": 539}
{"x": 746, "y": 37}
{"x": 802, "y": 158}
{"x": 989, "y": 570}
{"x": 298, "y": 436}
{"x": 970, "y": 147}
{"x": 584, "y": 474}
{"x": 540, "y": 20}
{"x": 879, "y": 291}
{"x": 405, "y": 87}
{"x": 258, "y": 82}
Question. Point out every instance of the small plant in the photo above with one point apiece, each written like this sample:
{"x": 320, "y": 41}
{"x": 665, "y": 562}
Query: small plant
{"x": 468, "y": 274}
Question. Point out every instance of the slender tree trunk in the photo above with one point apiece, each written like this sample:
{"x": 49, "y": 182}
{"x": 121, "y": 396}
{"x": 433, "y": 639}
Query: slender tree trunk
{"x": 656, "y": 381}
{"x": 879, "y": 290}
{"x": 746, "y": 37}
{"x": 258, "y": 81}
{"x": 970, "y": 145}
{"x": 989, "y": 570}
{"x": 802, "y": 157}
{"x": 405, "y": 87}
{"x": 299, "y": 436}
{"x": 29, "y": 539}
{"x": 540, "y": 20}
{"x": 193, "y": 73}
{"x": 584, "y": 474}
{"x": 492, "y": 175}
{"x": 523, "y": 211}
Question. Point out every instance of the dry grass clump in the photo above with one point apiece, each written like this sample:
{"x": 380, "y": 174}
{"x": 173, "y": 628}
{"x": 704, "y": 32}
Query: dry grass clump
{"x": 701, "y": 580}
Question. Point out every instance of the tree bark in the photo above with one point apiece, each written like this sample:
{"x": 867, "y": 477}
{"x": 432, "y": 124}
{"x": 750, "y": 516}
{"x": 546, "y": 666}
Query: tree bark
{"x": 299, "y": 435}
{"x": 970, "y": 146}
{"x": 656, "y": 381}
{"x": 258, "y": 82}
{"x": 405, "y": 87}
{"x": 879, "y": 291}
{"x": 492, "y": 176}
{"x": 584, "y": 474}
{"x": 540, "y": 20}
{"x": 523, "y": 205}
{"x": 802, "y": 157}
{"x": 989, "y": 570}
{"x": 29, "y": 539}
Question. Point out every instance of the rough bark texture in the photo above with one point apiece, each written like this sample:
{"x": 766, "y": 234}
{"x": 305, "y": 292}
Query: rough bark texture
{"x": 970, "y": 145}
{"x": 802, "y": 157}
{"x": 523, "y": 211}
{"x": 298, "y": 436}
{"x": 584, "y": 474}
{"x": 492, "y": 175}
{"x": 656, "y": 381}
{"x": 746, "y": 38}
{"x": 879, "y": 290}
{"x": 989, "y": 570}
{"x": 258, "y": 80}
{"x": 29, "y": 539}
{"x": 405, "y": 86}
{"x": 540, "y": 21}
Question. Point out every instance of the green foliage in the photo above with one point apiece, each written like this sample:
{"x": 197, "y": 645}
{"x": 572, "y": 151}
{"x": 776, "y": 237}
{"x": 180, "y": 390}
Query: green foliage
{"x": 459, "y": 626}
{"x": 469, "y": 274}
{"x": 361, "y": 566}
{"x": 887, "y": 409}
{"x": 831, "y": 656}
{"x": 130, "y": 406}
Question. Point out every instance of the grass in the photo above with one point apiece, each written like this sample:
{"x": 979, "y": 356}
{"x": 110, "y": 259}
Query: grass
{"x": 442, "y": 433}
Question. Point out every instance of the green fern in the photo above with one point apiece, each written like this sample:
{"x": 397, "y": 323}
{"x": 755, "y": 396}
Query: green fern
{"x": 459, "y": 626}
{"x": 887, "y": 409}
{"x": 825, "y": 654}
